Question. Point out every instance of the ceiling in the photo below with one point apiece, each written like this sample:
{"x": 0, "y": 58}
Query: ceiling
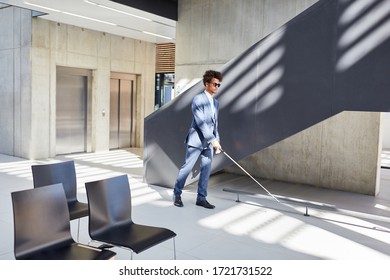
{"x": 111, "y": 16}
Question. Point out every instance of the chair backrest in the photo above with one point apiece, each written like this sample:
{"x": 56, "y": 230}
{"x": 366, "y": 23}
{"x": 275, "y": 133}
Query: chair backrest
{"x": 41, "y": 219}
{"x": 54, "y": 173}
{"x": 109, "y": 203}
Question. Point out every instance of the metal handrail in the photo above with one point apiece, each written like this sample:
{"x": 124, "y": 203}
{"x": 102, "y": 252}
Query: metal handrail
{"x": 310, "y": 204}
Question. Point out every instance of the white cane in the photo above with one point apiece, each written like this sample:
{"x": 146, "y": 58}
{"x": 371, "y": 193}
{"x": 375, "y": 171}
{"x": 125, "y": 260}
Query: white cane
{"x": 250, "y": 175}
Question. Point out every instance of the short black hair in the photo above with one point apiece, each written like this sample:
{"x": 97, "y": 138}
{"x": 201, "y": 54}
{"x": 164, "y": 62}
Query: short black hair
{"x": 210, "y": 74}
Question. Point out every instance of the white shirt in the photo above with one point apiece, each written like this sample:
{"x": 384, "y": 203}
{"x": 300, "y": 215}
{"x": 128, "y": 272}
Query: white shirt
{"x": 211, "y": 100}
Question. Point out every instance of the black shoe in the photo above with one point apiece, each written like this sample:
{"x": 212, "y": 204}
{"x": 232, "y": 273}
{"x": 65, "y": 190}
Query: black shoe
{"x": 205, "y": 204}
{"x": 177, "y": 201}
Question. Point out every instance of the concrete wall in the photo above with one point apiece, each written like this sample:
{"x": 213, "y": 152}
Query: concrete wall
{"x": 211, "y": 32}
{"x": 15, "y": 81}
{"x": 340, "y": 153}
{"x": 386, "y": 131}
{"x": 28, "y": 84}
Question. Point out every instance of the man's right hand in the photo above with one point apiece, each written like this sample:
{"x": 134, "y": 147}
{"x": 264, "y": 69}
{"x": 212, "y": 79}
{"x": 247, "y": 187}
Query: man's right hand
{"x": 216, "y": 146}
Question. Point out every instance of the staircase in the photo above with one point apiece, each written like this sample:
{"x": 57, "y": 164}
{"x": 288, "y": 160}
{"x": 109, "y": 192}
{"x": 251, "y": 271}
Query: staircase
{"x": 333, "y": 57}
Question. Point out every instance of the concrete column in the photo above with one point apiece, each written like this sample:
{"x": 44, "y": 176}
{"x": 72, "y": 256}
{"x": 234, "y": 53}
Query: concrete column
{"x": 15, "y": 81}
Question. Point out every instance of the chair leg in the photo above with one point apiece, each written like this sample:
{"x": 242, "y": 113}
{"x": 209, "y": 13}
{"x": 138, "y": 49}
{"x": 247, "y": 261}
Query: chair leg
{"x": 174, "y": 249}
{"x": 78, "y": 230}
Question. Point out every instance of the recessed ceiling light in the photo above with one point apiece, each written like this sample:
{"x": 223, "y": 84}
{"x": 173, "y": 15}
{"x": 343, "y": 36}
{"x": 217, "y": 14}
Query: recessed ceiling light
{"x": 42, "y": 7}
{"x": 157, "y": 35}
{"x": 84, "y": 17}
{"x": 116, "y": 10}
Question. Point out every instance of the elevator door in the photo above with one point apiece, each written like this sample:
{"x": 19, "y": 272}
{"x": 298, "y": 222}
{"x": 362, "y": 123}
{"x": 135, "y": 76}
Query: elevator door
{"x": 122, "y": 111}
{"x": 71, "y": 111}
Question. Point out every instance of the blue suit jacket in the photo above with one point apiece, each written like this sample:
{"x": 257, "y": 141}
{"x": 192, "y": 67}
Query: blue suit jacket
{"x": 204, "y": 127}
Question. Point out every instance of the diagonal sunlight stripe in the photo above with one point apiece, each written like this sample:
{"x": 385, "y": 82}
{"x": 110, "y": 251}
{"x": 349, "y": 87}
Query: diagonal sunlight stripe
{"x": 364, "y": 24}
{"x": 383, "y": 207}
{"x": 349, "y": 249}
{"x": 256, "y": 221}
{"x": 354, "y": 9}
{"x": 262, "y": 85}
{"x": 271, "y": 98}
{"x": 278, "y": 229}
{"x": 365, "y": 46}
{"x": 120, "y": 158}
{"x": 226, "y": 217}
{"x": 263, "y": 63}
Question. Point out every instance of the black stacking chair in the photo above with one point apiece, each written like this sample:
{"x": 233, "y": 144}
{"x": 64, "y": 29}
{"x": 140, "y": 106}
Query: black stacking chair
{"x": 65, "y": 173}
{"x": 42, "y": 227}
{"x": 110, "y": 219}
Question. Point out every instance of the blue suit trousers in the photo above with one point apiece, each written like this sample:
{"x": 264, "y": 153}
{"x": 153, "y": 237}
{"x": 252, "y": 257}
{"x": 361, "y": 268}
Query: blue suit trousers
{"x": 192, "y": 155}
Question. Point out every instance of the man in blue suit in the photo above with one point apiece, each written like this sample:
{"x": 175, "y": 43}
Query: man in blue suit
{"x": 202, "y": 139}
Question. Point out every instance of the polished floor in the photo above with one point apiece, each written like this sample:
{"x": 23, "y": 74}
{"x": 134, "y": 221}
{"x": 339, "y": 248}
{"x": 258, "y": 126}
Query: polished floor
{"x": 338, "y": 225}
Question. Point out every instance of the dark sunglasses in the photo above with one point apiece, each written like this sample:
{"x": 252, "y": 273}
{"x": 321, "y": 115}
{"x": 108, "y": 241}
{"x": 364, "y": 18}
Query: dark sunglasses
{"x": 216, "y": 85}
